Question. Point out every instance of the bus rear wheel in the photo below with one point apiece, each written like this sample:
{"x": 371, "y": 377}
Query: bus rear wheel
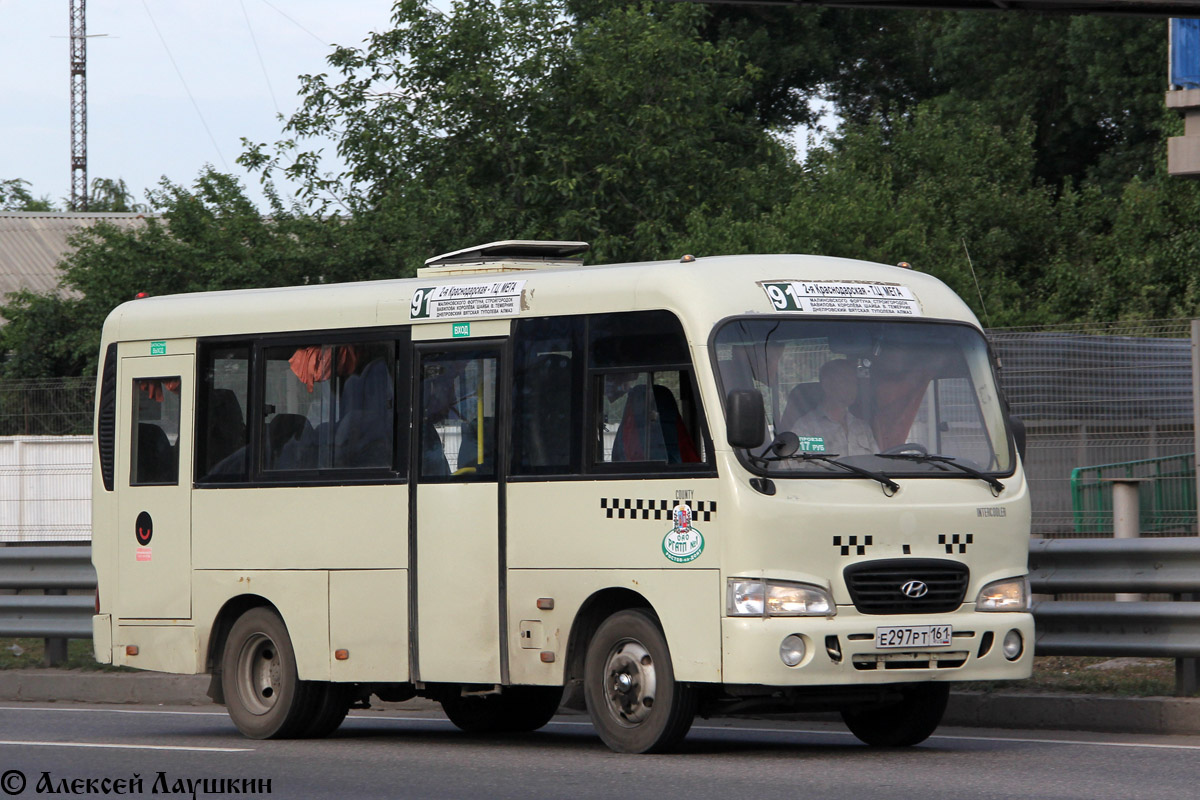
{"x": 635, "y": 703}
{"x": 264, "y": 696}
{"x": 517, "y": 709}
{"x": 910, "y": 720}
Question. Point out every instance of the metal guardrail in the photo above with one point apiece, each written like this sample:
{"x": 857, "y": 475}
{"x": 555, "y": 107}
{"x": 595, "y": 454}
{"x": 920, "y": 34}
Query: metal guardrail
{"x": 1120, "y": 628}
{"x": 53, "y": 569}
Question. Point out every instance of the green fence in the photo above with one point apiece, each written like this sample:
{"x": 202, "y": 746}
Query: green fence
{"x": 1166, "y": 495}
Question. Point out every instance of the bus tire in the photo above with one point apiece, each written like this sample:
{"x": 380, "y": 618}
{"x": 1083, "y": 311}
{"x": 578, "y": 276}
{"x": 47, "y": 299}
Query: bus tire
{"x": 264, "y": 696}
{"x": 909, "y": 721}
{"x": 329, "y": 709}
{"x": 635, "y": 703}
{"x": 517, "y": 709}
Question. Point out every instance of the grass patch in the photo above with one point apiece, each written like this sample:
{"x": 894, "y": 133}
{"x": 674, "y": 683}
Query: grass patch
{"x": 1122, "y": 677}
{"x": 30, "y": 654}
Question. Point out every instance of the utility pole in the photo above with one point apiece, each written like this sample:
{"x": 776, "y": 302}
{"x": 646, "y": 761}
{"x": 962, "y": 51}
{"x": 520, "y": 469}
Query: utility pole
{"x": 79, "y": 180}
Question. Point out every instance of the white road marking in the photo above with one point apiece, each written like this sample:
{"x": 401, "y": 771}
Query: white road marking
{"x": 110, "y": 746}
{"x": 571, "y": 723}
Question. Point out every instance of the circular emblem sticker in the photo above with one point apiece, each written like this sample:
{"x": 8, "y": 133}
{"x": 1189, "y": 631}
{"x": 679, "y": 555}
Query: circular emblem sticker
{"x": 684, "y": 543}
{"x": 145, "y": 528}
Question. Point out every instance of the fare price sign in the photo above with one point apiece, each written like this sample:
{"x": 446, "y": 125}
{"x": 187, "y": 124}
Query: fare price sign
{"x": 842, "y": 297}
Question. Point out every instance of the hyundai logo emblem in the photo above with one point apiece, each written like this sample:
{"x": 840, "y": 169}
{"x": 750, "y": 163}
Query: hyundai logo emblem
{"x": 915, "y": 589}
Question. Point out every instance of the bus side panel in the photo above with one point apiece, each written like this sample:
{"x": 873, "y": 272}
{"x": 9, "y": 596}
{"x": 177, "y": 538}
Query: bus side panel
{"x": 313, "y": 527}
{"x": 687, "y": 602}
{"x": 613, "y": 524}
{"x": 300, "y": 596}
{"x": 164, "y": 648}
{"x": 368, "y": 616}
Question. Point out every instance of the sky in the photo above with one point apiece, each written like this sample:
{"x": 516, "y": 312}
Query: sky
{"x": 172, "y": 85}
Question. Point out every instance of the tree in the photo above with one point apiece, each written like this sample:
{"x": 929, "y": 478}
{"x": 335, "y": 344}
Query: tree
{"x": 507, "y": 120}
{"x": 112, "y": 195}
{"x": 15, "y": 196}
{"x": 207, "y": 238}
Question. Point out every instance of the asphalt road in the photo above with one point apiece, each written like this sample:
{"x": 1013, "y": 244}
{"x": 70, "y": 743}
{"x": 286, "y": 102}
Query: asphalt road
{"x": 420, "y": 755}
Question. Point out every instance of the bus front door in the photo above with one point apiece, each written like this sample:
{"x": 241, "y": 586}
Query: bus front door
{"x": 457, "y": 541}
{"x": 154, "y": 446}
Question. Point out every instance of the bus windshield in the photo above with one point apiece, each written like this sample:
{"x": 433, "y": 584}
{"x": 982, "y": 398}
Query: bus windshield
{"x": 896, "y": 397}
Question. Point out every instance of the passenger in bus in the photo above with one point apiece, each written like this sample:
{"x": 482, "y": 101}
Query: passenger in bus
{"x": 832, "y": 420}
{"x": 437, "y": 400}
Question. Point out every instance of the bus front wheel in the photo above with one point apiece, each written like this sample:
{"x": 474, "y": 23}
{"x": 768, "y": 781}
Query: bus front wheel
{"x": 264, "y": 696}
{"x": 910, "y": 720}
{"x": 635, "y": 703}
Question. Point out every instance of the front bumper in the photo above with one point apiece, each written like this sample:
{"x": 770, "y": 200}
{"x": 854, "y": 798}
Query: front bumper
{"x": 841, "y": 650}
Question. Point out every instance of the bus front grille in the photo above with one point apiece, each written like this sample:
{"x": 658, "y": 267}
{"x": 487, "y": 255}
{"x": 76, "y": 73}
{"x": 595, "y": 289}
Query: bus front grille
{"x": 907, "y": 585}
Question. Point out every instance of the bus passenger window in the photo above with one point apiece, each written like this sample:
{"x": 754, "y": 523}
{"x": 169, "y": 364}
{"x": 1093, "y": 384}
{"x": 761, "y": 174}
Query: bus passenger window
{"x": 458, "y": 415}
{"x": 645, "y": 417}
{"x": 155, "y": 441}
{"x": 547, "y": 405}
{"x": 328, "y": 407}
{"x": 224, "y": 395}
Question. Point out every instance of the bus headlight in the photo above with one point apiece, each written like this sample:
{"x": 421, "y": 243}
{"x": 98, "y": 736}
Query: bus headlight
{"x": 746, "y": 597}
{"x": 1010, "y": 594}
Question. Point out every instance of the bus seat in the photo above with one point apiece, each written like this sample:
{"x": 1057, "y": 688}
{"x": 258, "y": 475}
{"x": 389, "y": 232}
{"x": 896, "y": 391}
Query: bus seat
{"x": 226, "y": 426}
{"x": 637, "y": 439}
{"x": 286, "y": 450}
{"x": 547, "y": 411}
{"x": 157, "y": 460}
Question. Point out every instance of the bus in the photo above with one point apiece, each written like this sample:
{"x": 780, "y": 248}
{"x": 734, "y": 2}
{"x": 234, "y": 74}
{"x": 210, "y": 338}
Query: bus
{"x": 718, "y": 485}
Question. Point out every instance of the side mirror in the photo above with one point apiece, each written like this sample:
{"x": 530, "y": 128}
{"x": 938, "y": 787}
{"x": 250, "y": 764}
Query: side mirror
{"x": 745, "y": 418}
{"x": 1018, "y": 428}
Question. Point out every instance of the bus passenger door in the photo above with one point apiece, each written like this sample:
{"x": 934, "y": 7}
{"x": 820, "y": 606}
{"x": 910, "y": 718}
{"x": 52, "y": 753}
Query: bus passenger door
{"x": 458, "y": 540}
{"x": 154, "y": 458}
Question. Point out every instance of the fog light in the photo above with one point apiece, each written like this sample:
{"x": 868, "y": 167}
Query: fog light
{"x": 1014, "y": 645}
{"x": 791, "y": 651}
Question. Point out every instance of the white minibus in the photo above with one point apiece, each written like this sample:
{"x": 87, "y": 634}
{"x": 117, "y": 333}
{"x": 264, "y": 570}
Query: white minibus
{"x": 727, "y": 485}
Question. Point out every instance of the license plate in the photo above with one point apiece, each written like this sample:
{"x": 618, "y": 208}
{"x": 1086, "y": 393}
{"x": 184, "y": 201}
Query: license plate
{"x": 913, "y": 636}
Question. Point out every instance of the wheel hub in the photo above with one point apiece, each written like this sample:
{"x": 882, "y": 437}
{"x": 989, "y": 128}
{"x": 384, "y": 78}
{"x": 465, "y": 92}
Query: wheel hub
{"x": 259, "y": 674}
{"x": 631, "y": 683}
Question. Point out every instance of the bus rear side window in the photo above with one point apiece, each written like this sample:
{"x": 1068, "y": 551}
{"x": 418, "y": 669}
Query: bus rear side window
{"x": 155, "y": 441}
{"x": 224, "y": 396}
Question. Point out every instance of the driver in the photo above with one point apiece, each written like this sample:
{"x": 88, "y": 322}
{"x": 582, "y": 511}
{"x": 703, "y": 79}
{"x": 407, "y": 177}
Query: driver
{"x": 843, "y": 432}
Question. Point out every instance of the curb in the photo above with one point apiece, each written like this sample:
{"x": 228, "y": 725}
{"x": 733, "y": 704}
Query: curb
{"x": 1073, "y": 712}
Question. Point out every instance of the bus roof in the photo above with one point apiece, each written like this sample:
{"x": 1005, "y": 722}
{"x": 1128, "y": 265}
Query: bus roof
{"x": 700, "y": 291}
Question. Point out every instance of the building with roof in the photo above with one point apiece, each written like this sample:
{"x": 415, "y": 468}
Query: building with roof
{"x": 32, "y": 243}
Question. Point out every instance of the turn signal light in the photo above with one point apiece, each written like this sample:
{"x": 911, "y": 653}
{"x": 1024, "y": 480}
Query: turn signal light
{"x": 341, "y": 655}
{"x": 131, "y": 649}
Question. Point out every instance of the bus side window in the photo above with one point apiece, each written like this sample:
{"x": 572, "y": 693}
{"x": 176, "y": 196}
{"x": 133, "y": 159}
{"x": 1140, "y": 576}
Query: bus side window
{"x": 155, "y": 441}
{"x": 224, "y": 397}
{"x": 547, "y": 407}
{"x": 643, "y": 401}
{"x": 328, "y": 406}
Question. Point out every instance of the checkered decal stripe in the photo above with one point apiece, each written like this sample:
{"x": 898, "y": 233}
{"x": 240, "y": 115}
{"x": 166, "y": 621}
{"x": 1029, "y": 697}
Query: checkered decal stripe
{"x": 846, "y": 543}
{"x": 956, "y": 540}
{"x": 630, "y": 508}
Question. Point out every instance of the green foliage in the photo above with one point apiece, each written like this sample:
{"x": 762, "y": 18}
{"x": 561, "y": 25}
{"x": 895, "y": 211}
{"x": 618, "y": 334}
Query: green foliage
{"x": 1019, "y": 157}
{"x": 15, "y": 196}
{"x": 208, "y": 238}
{"x": 505, "y": 120}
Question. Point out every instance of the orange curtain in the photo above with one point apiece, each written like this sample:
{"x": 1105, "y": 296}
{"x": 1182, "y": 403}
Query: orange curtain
{"x": 899, "y": 390}
{"x": 315, "y": 363}
{"x": 154, "y": 389}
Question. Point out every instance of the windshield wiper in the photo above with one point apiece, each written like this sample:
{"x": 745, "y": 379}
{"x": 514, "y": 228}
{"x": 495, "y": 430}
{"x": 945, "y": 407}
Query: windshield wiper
{"x": 786, "y": 447}
{"x": 890, "y": 487}
{"x": 936, "y": 458}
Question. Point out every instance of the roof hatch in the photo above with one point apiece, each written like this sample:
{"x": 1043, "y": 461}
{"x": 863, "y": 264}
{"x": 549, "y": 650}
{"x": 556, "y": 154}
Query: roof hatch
{"x": 510, "y": 255}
